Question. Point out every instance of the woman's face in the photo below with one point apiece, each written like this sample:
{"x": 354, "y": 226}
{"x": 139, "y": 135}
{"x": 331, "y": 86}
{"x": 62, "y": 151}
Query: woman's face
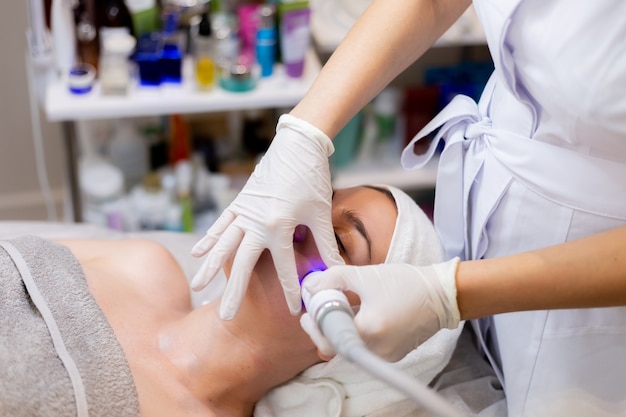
{"x": 363, "y": 221}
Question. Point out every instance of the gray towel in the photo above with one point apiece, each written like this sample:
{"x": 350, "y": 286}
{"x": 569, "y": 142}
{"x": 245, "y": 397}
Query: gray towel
{"x": 35, "y": 380}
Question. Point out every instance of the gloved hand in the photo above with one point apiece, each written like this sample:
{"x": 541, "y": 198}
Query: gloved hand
{"x": 401, "y": 305}
{"x": 325, "y": 349}
{"x": 290, "y": 186}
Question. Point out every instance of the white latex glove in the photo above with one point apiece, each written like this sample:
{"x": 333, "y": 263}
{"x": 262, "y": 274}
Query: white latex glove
{"x": 290, "y": 186}
{"x": 401, "y": 305}
{"x": 325, "y": 349}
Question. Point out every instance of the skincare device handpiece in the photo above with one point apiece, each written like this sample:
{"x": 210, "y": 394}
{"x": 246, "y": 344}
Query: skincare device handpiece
{"x": 333, "y": 315}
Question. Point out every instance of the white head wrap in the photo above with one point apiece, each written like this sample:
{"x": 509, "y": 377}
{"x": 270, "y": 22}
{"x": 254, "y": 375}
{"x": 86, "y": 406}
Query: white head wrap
{"x": 414, "y": 239}
{"x": 339, "y": 388}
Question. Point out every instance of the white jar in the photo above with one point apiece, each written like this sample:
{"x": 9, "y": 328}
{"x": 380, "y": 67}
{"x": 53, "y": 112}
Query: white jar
{"x": 114, "y": 67}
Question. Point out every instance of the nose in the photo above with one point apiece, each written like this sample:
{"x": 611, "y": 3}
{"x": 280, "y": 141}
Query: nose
{"x": 307, "y": 256}
{"x": 300, "y": 233}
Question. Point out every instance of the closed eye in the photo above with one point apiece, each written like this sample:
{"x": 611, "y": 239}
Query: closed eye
{"x": 342, "y": 248}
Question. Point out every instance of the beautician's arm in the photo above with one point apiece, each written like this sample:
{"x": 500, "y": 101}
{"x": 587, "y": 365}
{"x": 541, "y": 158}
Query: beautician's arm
{"x": 386, "y": 39}
{"x": 589, "y": 272}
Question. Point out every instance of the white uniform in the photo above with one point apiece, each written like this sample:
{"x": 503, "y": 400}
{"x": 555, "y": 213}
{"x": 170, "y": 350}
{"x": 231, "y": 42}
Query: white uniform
{"x": 539, "y": 161}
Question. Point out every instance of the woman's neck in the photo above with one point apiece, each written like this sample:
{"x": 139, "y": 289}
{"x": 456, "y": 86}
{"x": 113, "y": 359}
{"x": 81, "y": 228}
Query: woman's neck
{"x": 228, "y": 365}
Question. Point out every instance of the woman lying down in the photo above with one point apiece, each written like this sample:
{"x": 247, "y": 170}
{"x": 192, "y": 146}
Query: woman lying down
{"x": 106, "y": 328}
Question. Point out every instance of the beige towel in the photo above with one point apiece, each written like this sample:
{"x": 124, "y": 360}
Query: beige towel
{"x": 58, "y": 353}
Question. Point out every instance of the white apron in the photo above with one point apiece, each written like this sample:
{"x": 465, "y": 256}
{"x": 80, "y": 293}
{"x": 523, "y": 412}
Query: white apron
{"x": 539, "y": 161}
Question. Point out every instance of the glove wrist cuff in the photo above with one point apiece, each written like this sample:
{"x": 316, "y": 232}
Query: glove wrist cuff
{"x": 307, "y": 130}
{"x": 453, "y": 318}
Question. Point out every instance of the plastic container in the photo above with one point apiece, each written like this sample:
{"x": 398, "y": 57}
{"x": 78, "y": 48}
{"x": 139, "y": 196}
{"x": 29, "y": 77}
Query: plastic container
{"x": 80, "y": 78}
{"x": 113, "y": 17}
{"x": 100, "y": 184}
{"x": 144, "y": 15}
{"x": 295, "y": 37}
{"x": 63, "y": 36}
{"x": 227, "y": 43}
{"x": 129, "y": 152}
{"x": 248, "y": 25}
{"x": 171, "y": 60}
{"x": 266, "y": 40}
{"x": 203, "y": 44}
{"x": 386, "y": 108}
{"x": 238, "y": 78}
{"x": 87, "y": 38}
{"x": 115, "y": 70}
{"x": 151, "y": 203}
{"x": 148, "y": 58}
{"x": 347, "y": 142}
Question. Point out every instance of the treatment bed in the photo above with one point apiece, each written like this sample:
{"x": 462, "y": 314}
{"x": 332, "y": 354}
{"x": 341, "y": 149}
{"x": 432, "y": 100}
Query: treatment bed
{"x": 468, "y": 382}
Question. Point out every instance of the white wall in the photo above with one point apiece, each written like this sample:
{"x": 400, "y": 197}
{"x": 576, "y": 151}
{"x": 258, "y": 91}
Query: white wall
{"x": 20, "y": 195}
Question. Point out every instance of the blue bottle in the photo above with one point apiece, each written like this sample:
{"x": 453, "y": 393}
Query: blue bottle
{"x": 148, "y": 57}
{"x": 171, "y": 54}
{"x": 266, "y": 40}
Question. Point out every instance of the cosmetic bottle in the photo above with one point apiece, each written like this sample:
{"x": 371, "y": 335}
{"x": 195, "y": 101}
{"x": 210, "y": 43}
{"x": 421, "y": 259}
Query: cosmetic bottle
{"x": 386, "y": 107}
{"x": 144, "y": 16}
{"x": 172, "y": 52}
{"x": 203, "y": 45}
{"x": 184, "y": 179}
{"x": 87, "y": 40}
{"x": 295, "y": 36}
{"x": 113, "y": 16}
{"x": 148, "y": 59}
{"x": 266, "y": 39}
{"x": 226, "y": 45}
{"x": 129, "y": 152}
{"x": 247, "y": 15}
{"x": 115, "y": 71}
{"x": 239, "y": 77}
{"x": 63, "y": 36}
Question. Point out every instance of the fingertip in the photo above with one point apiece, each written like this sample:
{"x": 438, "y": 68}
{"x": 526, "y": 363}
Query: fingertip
{"x": 295, "y": 307}
{"x": 198, "y": 250}
{"x": 198, "y": 282}
{"x": 226, "y": 313}
{"x": 228, "y": 305}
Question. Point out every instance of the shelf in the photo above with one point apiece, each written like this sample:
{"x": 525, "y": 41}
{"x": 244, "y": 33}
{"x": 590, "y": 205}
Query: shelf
{"x": 272, "y": 92}
{"x": 387, "y": 172}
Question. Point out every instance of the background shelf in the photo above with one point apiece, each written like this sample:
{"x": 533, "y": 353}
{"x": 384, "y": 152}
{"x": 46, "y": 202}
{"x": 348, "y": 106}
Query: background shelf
{"x": 275, "y": 91}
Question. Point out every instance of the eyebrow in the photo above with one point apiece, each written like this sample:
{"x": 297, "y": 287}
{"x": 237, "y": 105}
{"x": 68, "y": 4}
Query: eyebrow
{"x": 356, "y": 222}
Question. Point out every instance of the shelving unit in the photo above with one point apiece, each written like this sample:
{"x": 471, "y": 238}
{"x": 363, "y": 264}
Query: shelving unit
{"x": 277, "y": 91}
{"x": 61, "y": 106}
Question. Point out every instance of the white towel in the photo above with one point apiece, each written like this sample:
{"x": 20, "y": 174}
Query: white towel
{"x": 339, "y": 388}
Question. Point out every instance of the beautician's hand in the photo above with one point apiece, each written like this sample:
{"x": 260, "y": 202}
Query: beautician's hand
{"x": 401, "y": 305}
{"x": 290, "y": 186}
